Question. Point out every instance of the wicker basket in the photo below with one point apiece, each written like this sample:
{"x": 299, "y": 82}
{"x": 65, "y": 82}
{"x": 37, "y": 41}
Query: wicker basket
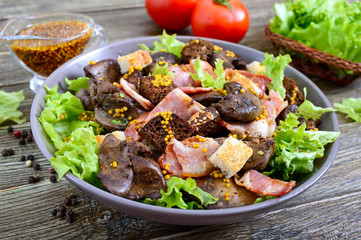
{"x": 315, "y": 62}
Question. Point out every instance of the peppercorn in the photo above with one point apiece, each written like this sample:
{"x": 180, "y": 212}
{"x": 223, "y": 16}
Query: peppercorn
{"x": 29, "y": 163}
{"x": 52, "y": 178}
{"x": 69, "y": 212}
{"x": 69, "y": 219}
{"x": 36, "y": 166}
{"x": 59, "y": 214}
{"x": 17, "y": 133}
{"x": 22, "y": 141}
{"x": 62, "y": 209}
{"x": 22, "y": 158}
{"x": 24, "y": 134}
{"x": 29, "y": 138}
{"x": 52, "y": 171}
{"x": 30, "y": 157}
{"x": 10, "y": 129}
{"x": 54, "y": 212}
{"x": 33, "y": 179}
{"x": 67, "y": 201}
{"x": 7, "y": 152}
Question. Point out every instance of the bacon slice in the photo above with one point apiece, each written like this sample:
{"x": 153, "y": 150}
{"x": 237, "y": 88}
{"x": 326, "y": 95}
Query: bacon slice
{"x": 124, "y": 85}
{"x": 259, "y": 183}
{"x": 176, "y": 102}
{"x": 274, "y": 105}
{"x": 193, "y": 90}
{"x": 185, "y": 160}
{"x": 182, "y": 76}
{"x": 262, "y": 81}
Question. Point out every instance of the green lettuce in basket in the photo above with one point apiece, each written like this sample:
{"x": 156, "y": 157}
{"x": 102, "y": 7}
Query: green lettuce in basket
{"x": 331, "y": 26}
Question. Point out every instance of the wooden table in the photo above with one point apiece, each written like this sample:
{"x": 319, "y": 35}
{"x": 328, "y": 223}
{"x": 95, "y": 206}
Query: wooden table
{"x": 330, "y": 209}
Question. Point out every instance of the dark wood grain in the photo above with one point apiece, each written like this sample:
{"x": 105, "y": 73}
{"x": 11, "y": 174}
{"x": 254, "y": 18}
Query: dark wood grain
{"x": 328, "y": 210}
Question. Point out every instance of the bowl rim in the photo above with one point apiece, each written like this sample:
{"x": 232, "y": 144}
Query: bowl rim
{"x": 272, "y": 203}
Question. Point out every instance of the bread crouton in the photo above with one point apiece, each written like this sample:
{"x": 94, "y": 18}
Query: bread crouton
{"x": 231, "y": 156}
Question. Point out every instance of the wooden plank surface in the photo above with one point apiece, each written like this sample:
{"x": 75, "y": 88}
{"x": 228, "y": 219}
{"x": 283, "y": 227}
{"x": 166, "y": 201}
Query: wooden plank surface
{"x": 329, "y": 210}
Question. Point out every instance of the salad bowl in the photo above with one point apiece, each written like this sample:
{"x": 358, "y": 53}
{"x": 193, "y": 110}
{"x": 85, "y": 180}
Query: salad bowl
{"x": 74, "y": 69}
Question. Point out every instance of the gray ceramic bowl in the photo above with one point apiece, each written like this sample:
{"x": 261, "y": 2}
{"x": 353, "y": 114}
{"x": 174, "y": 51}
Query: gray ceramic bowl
{"x": 74, "y": 69}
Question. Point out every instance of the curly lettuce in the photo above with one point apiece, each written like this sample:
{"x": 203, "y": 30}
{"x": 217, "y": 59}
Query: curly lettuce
{"x": 309, "y": 111}
{"x": 9, "y": 103}
{"x": 74, "y": 140}
{"x": 167, "y": 43}
{"x": 332, "y": 26}
{"x": 180, "y": 193}
{"x": 296, "y": 148}
{"x": 275, "y": 70}
{"x": 162, "y": 70}
{"x": 205, "y": 78}
{"x": 351, "y": 107}
{"x": 77, "y": 84}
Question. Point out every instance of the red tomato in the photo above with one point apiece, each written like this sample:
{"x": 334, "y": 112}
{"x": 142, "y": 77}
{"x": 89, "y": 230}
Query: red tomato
{"x": 218, "y": 21}
{"x": 171, "y": 14}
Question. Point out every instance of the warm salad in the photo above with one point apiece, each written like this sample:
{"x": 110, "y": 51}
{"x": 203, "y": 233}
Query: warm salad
{"x": 187, "y": 125}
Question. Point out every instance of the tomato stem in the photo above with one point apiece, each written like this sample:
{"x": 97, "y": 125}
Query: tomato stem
{"x": 224, "y": 3}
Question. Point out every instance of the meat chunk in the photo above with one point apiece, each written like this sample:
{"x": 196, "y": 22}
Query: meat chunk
{"x": 206, "y": 122}
{"x": 135, "y": 78}
{"x": 207, "y": 98}
{"x": 230, "y": 60}
{"x": 264, "y": 185}
{"x": 127, "y": 169}
{"x": 263, "y": 149}
{"x": 153, "y": 93}
{"x": 127, "y": 88}
{"x": 84, "y": 96}
{"x": 106, "y": 99}
{"x": 238, "y": 196}
{"x": 293, "y": 94}
{"x": 239, "y": 105}
{"x": 106, "y": 70}
{"x": 197, "y": 48}
{"x": 155, "y": 135}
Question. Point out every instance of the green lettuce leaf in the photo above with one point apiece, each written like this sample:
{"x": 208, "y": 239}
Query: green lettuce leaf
{"x": 176, "y": 197}
{"x": 310, "y": 111}
{"x": 332, "y": 26}
{"x": 79, "y": 156}
{"x": 275, "y": 70}
{"x": 351, "y": 107}
{"x": 263, "y": 198}
{"x": 77, "y": 84}
{"x": 168, "y": 43}
{"x": 296, "y": 148}
{"x": 9, "y": 103}
{"x": 205, "y": 78}
{"x": 162, "y": 70}
{"x": 74, "y": 140}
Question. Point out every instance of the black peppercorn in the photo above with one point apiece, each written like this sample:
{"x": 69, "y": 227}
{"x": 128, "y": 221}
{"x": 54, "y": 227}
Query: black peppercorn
{"x": 73, "y": 202}
{"x": 29, "y": 138}
{"x": 22, "y": 141}
{"x": 7, "y": 152}
{"x": 36, "y": 166}
{"x": 10, "y": 129}
{"x": 32, "y": 179}
{"x": 22, "y": 158}
{"x": 59, "y": 214}
{"x": 54, "y": 212}
{"x": 67, "y": 201}
{"x": 69, "y": 212}
{"x": 62, "y": 209}
{"x": 69, "y": 219}
{"x": 30, "y": 157}
{"x": 52, "y": 178}
{"x": 24, "y": 134}
{"x": 52, "y": 171}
